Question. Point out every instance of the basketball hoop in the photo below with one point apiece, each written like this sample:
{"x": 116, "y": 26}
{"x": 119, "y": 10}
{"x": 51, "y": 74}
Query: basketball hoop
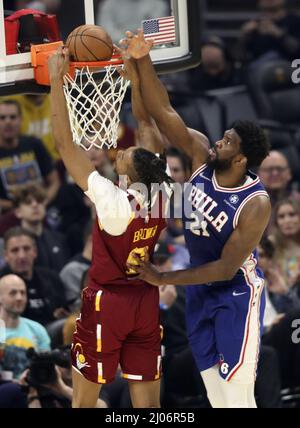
{"x": 94, "y": 93}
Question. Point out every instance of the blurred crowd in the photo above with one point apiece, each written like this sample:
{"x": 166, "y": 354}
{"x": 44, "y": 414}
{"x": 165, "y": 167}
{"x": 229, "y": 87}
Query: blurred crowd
{"x": 46, "y": 221}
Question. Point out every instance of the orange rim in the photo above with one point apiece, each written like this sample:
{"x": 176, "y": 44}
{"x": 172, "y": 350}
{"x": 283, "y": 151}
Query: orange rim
{"x": 41, "y": 53}
{"x": 116, "y": 59}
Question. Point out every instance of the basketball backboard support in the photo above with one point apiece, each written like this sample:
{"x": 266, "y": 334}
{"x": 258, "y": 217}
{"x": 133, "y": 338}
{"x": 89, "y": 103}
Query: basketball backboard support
{"x": 16, "y": 72}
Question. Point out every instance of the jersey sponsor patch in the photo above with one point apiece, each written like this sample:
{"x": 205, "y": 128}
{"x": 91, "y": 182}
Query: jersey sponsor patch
{"x": 234, "y": 199}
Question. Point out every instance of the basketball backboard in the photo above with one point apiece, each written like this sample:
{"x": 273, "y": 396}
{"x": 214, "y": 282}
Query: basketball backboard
{"x": 16, "y": 72}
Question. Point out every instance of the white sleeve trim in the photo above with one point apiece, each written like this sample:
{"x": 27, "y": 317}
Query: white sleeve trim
{"x": 251, "y": 196}
{"x": 112, "y": 204}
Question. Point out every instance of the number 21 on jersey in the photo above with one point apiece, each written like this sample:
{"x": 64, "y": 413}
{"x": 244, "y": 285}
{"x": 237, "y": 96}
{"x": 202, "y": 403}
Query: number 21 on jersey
{"x": 198, "y": 226}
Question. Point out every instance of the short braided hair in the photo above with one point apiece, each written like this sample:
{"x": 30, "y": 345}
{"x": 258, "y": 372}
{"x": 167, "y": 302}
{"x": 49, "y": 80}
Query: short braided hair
{"x": 150, "y": 169}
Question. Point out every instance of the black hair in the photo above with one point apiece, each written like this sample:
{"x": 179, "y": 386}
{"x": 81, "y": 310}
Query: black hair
{"x": 186, "y": 161}
{"x": 254, "y": 143}
{"x": 16, "y": 232}
{"x": 268, "y": 247}
{"x": 219, "y": 43}
{"x": 150, "y": 169}
{"x": 11, "y": 102}
{"x": 27, "y": 192}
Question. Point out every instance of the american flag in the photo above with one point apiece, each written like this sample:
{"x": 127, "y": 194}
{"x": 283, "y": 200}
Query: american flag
{"x": 161, "y": 30}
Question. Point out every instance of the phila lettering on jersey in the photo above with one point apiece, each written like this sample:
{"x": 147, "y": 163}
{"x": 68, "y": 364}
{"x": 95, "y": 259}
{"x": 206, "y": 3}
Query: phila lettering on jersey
{"x": 212, "y": 212}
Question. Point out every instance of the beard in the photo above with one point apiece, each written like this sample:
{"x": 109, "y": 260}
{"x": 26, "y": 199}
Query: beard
{"x": 220, "y": 165}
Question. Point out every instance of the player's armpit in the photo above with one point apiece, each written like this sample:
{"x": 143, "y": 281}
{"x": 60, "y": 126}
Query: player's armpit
{"x": 246, "y": 237}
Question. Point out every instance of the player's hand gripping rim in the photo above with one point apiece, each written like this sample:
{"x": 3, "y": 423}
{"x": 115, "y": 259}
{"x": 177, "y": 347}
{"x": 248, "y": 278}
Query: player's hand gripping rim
{"x": 59, "y": 64}
{"x": 146, "y": 270}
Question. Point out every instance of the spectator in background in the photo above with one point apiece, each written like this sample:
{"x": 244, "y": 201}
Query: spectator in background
{"x": 217, "y": 69}
{"x": 69, "y": 213}
{"x": 279, "y": 298}
{"x": 22, "y": 159}
{"x": 36, "y": 119}
{"x": 275, "y": 174}
{"x": 180, "y": 165}
{"x": 57, "y": 394}
{"x": 286, "y": 238}
{"x": 266, "y": 252}
{"x": 71, "y": 274}
{"x": 180, "y": 171}
{"x": 49, "y": 6}
{"x": 45, "y": 291}
{"x": 21, "y": 333}
{"x": 130, "y": 18}
{"x": 278, "y": 318}
{"x": 30, "y": 209}
{"x": 275, "y": 31}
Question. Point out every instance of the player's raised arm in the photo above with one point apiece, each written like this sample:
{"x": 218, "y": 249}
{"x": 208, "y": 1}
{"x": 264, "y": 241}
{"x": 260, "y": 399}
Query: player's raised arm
{"x": 149, "y": 136}
{"x": 245, "y": 238}
{"x": 77, "y": 164}
{"x": 158, "y": 104}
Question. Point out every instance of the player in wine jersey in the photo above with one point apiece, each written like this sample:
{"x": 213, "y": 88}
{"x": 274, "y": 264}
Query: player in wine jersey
{"x": 228, "y": 210}
{"x": 119, "y": 321}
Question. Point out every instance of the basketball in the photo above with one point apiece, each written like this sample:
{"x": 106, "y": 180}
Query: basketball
{"x": 89, "y": 43}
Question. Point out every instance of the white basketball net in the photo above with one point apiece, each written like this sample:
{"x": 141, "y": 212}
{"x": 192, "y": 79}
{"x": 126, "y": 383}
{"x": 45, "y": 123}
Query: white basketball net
{"x": 94, "y": 107}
